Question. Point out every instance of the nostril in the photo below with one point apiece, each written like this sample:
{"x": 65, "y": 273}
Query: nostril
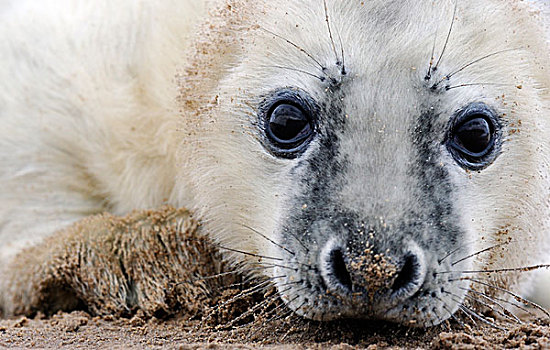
{"x": 410, "y": 277}
{"x": 338, "y": 267}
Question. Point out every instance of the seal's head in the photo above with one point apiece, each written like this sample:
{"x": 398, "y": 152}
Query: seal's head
{"x": 372, "y": 154}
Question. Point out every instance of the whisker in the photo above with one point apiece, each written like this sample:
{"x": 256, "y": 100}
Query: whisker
{"x": 481, "y": 318}
{"x": 510, "y": 303}
{"x": 444, "y": 323}
{"x": 275, "y": 316}
{"x": 490, "y": 307}
{"x": 240, "y": 284}
{"x": 322, "y": 79}
{"x": 285, "y": 314}
{"x": 269, "y": 239}
{"x": 271, "y": 265}
{"x": 239, "y": 296}
{"x": 302, "y": 304}
{"x": 439, "y": 319}
{"x": 510, "y": 269}
{"x": 290, "y": 330}
{"x": 462, "y": 308}
{"x": 280, "y": 306}
{"x": 255, "y": 267}
{"x": 464, "y": 245}
{"x": 495, "y": 301}
{"x": 323, "y": 68}
{"x": 451, "y": 314}
{"x": 471, "y": 312}
{"x": 299, "y": 241}
{"x": 253, "y": 309}
{"x": 281, "y": 316}
{"x": 478, "y": 253}
{"x": 330, "y": 33}
{"x": 448, "y": 76}
{"x": 458, "y": 320}
{"x": 219, "y": 246}
{"x": 206, "y": 278}
{"x": 249, "y": 291}
{"x": 248, "y": 253}
{"x": 448, "y": 37}
{"x": 451, "y": 253}
{"x": 291, "y": 283}
{"x": 447, "y": 88}
{"x": 429, "y": 73}
{"x": 514, "y": 295}
{"x": 343, "y": 70}
{"x": 454, "y": 317}
{"x": 218, "y": 275}
{"x": 307, "y": 266}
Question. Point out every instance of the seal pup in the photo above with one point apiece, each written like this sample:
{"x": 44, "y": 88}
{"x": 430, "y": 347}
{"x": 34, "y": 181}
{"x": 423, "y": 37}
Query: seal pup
{"x": 380, "y": 159}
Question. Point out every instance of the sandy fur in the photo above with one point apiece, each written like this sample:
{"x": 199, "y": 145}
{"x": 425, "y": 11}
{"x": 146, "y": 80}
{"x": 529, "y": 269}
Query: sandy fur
{"x": 112, "y": 265}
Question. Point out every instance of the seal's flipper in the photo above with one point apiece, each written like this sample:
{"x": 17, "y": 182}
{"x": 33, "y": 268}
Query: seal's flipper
{"x": 153, "y": 261}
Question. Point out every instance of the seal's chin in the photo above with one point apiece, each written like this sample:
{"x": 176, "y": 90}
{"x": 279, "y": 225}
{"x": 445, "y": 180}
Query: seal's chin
{"x": 423, "y": 312}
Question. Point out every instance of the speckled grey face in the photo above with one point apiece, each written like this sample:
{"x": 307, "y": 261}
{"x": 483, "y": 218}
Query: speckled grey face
{"x": 357, "y": 252}
{"x": 371, "y": 216}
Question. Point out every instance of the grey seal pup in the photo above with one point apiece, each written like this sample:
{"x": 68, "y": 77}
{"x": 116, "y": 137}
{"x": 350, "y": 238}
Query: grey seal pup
{"x": 373, "y": 159}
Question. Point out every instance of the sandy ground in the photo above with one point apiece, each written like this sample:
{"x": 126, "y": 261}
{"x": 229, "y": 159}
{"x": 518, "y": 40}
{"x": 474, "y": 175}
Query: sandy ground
{"x": 79, "y": 330}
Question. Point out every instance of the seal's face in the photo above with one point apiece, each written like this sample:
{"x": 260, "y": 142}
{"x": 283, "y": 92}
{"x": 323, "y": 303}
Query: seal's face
{"x": 378, "y": 162}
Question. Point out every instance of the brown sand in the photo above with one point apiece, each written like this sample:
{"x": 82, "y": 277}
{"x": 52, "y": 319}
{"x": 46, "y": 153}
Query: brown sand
{"x": 80, "y": 330}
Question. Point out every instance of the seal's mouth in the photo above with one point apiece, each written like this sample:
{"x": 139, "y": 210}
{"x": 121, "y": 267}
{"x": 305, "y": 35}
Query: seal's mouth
{"x": 372, "y": 285}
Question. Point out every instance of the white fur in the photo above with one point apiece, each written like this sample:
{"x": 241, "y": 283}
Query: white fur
{"x": 88, "y": 110}
{"x": 541, "y": 10}
{"x": 91, "y": 120}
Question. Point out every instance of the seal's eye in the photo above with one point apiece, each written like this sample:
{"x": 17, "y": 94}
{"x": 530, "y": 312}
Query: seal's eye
{"x": 288, "y": 124}
{"x": 472, "y": 139}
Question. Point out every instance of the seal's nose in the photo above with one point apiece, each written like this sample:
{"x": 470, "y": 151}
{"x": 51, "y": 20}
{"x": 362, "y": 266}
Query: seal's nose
{"x": 373, "y": 274}
{"x": 411, "y": 275}
{"x": 337, "y": 270}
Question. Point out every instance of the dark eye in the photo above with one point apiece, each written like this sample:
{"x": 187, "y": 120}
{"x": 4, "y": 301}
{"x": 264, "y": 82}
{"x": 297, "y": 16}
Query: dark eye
{"x": 287, "y": 122}
{"x": 472, "y": 139}
{"x": 474, "y": 136}
{"x": 288, "y": 125}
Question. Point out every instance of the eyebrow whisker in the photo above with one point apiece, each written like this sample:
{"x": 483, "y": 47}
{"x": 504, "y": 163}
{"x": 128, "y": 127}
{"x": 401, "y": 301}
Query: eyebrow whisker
{"x": 429, "y": 73}
{"x": 330, "y": 32}
{"x": 301, "y": 49}
{"x": 448, "y": 76}
{"x": 448, "y": 37}
{"x": 322, "y": 79}
{"x": 447, "y": 88}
